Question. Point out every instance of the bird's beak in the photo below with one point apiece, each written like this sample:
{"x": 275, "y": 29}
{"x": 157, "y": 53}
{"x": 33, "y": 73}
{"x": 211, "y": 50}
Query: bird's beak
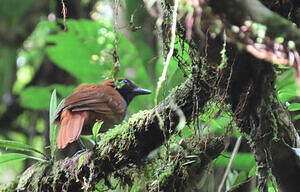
{"x": 141, "y": 91}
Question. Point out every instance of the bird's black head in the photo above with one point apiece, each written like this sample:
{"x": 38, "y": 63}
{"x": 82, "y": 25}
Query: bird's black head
{"x": 129, "y": 90}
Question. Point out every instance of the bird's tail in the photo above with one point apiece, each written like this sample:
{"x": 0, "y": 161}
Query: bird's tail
{"x": 71, "y": 124}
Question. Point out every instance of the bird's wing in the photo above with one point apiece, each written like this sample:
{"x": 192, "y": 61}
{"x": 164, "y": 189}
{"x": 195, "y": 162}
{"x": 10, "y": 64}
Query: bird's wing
{"x": 97, "y": 98}
{"x": 104, "y": 100}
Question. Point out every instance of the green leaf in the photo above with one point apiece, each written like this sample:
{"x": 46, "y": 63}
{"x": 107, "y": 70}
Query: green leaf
{"x": 35, "y": 98}
{"x": 287, "y": 88}
{"x": 294, "y": 107}
{"x": 11, "y": 157}
{"x": 18, "y": 146}
{"x": 241, "y": 178}
{"x": 38, "y": 98}
{"x": 81, "y": 159}
{"x": 17, "y": 156}
{"x": 90, "y": 39}
{"x": 297, "y": 117}
{"x": 286, "y": 96}
{"x": 52, "y": 130}
{"x": 242, "y": 161}
{"x": 252, "y": 172}
{"x": 96, "y": 128}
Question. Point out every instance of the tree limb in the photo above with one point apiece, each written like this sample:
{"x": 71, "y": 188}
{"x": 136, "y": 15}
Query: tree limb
{"x": 125, "y": 144}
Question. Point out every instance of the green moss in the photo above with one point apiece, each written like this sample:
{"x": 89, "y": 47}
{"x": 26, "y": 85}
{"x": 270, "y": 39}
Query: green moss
{"x": 122, "y": 136}
{"x": 273, "y": 120}
{"x": 165, "y": 175}
{"x": 32, "y": 174}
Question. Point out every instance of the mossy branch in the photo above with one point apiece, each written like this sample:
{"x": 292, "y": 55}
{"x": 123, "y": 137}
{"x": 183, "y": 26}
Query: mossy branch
{"x": 125, "y": 144}
{"x": 188, "y": 166}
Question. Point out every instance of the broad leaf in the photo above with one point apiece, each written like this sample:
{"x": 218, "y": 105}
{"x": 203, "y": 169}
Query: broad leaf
{"x": 242, "y": 161}
{"x": 89, "y": 38}
{"x": 35, "y": 98}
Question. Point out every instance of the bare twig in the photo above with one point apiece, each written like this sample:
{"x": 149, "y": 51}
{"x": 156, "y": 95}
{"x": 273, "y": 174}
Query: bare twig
{"x": 235, "y": 150}
{"x": 167, "y": 61}
{"x": 116, "y": 67}
{"x": 64, "y": 12}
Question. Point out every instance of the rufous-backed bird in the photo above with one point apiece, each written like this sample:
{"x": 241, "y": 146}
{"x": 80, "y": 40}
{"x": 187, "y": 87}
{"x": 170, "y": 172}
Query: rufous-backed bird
{"x": 94, "y": 102}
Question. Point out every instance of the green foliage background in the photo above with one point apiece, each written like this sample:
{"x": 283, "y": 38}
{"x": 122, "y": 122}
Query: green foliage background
{"x": 85, "y": 52}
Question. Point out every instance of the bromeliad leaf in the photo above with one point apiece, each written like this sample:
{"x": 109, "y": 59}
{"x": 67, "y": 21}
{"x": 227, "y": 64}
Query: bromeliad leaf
{"x": 96, "y": 129}
{"x": 18, "y": 146}
{"x": 52, "y": 130}
{"x": 16, "y": 156}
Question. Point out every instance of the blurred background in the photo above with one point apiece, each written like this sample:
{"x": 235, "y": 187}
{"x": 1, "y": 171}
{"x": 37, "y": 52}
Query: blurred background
{"x": 37, "y": 56}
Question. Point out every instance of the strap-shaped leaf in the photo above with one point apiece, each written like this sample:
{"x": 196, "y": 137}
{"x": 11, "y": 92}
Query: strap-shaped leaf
{"x": 18, "y": 146}
{"x": 52, "y": 127}
{"x": 16, "y": 156}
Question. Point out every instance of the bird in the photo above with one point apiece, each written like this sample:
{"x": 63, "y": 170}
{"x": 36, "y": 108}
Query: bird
{"x": 91, "y": 103}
